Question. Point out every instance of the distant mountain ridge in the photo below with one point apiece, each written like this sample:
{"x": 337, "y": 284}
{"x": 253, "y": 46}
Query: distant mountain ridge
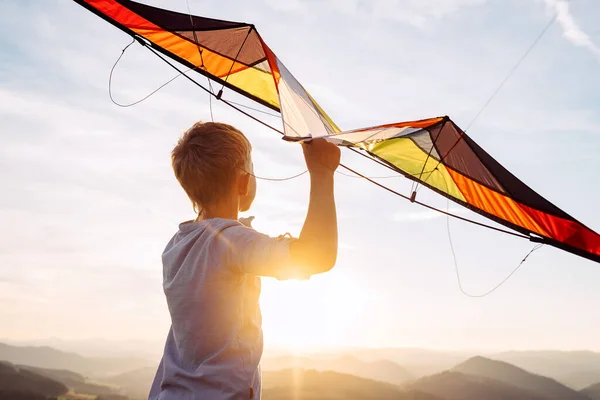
{"x": 47, "y": 357}
{"x": 97, "y": 348}
{"x": 380, "y": 370}
{"x": 576, "y": 369}
{"x": 419, "y": 362}
{"x": 542, "y": 386}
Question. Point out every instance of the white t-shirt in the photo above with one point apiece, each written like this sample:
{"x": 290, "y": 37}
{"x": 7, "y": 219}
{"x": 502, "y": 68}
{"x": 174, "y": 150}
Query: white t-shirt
{"x": 211, "y": 272}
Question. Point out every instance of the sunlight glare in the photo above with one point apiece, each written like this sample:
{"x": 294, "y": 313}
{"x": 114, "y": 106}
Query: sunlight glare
{"x": 321, "y": 312}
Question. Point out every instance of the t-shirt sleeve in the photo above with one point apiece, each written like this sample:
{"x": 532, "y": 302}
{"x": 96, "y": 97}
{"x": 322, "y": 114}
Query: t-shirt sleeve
{"x": 256, "y": 253}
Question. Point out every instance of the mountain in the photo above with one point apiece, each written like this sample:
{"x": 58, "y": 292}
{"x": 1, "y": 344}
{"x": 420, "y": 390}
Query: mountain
{"x": 453, "y": 385}
{"x": 380, "y": 370}
{"x": 21, "y": 383}
{"x": 98, "y": 347}
{"x": 577, "y": 369}
{"x": 541, "y": 386}
{"x": 593, "y": 391}
{"x": 300, "y": 384}
{"x": 73, "y": 381}
{"x": 47, "y": 357}
{"x": 420, "y": 362}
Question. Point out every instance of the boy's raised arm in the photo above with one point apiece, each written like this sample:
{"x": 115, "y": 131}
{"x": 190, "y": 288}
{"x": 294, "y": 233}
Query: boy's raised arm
{"x": 315, "y": 251}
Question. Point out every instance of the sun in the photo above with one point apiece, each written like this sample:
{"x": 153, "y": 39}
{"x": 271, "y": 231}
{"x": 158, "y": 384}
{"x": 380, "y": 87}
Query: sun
{"x": 321, "y": 312}
{"x": 302, "y": 315}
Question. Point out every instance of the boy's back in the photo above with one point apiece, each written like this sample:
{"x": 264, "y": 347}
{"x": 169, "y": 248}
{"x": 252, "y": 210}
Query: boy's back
{"x": 215, "y": 341}
{"x": 211, "y": 267}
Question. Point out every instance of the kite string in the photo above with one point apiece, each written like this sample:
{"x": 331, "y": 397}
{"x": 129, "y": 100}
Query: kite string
{"x": 493, "y": 289}
{"x": 162, "y": 86}
{"x": 512, "y": 71}
{"x": 180, "y": 73}
{"x": 110, "y": 77}
{"x": 277, "y": 179}
{"x": 456, "y": 271}
{"x": 498, "y": 89}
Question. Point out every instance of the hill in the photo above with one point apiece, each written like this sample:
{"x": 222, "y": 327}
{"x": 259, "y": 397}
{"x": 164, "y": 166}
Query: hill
{"x": 300, "y": 384}
{"x": 542, "y": 386}
{"x": 380, "y": 370}
{"x": 21, "y": 383}
{"x": 593, "y": 391}
{"x": 16, "y": 395}
{"x": 47, "y": 357}
{"x": 73, "y": 381}
{"x": 453, "y": 385}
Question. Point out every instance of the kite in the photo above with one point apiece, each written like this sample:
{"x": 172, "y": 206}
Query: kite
{"x": 433, "y": 152}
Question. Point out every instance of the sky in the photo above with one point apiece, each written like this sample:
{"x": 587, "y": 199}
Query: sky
{"x": 89, "y": 199}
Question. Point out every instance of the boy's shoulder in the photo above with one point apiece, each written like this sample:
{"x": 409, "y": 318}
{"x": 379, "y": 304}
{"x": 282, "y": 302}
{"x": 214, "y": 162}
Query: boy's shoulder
{"x": 218, "y": 231}
{"x": 232, "y": 244}
{"x": 213, "y": 226}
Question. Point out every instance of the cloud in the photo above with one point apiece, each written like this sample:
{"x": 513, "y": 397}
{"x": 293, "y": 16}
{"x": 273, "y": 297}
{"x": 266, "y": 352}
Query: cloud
{"x": 571, "y": 30}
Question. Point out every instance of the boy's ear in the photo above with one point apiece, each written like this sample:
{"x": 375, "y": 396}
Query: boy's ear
{"x": 243, "y": 184}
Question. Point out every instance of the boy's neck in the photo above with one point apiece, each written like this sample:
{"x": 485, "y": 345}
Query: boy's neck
{"x": 224, "y": 210}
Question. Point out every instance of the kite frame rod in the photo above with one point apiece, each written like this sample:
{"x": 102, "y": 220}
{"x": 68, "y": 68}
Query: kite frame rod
{"x": 519, "y": 235}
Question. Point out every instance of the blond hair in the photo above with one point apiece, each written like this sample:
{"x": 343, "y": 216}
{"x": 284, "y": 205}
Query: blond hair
{"x": 205, "y": 161}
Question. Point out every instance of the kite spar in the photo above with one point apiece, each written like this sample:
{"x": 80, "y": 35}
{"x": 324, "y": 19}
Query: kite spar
{"x": 433, "y": 152}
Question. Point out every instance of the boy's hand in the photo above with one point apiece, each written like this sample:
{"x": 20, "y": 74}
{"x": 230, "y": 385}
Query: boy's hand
{"x": 322, "y": 157}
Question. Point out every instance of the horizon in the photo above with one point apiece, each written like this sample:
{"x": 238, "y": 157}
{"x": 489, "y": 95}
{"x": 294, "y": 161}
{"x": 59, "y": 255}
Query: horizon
{"x": 90, "y": 200}
{"x": 94, "y": 345}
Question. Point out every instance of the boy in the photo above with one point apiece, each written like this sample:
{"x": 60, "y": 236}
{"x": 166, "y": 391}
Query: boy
{"x": 211, "y": 267}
